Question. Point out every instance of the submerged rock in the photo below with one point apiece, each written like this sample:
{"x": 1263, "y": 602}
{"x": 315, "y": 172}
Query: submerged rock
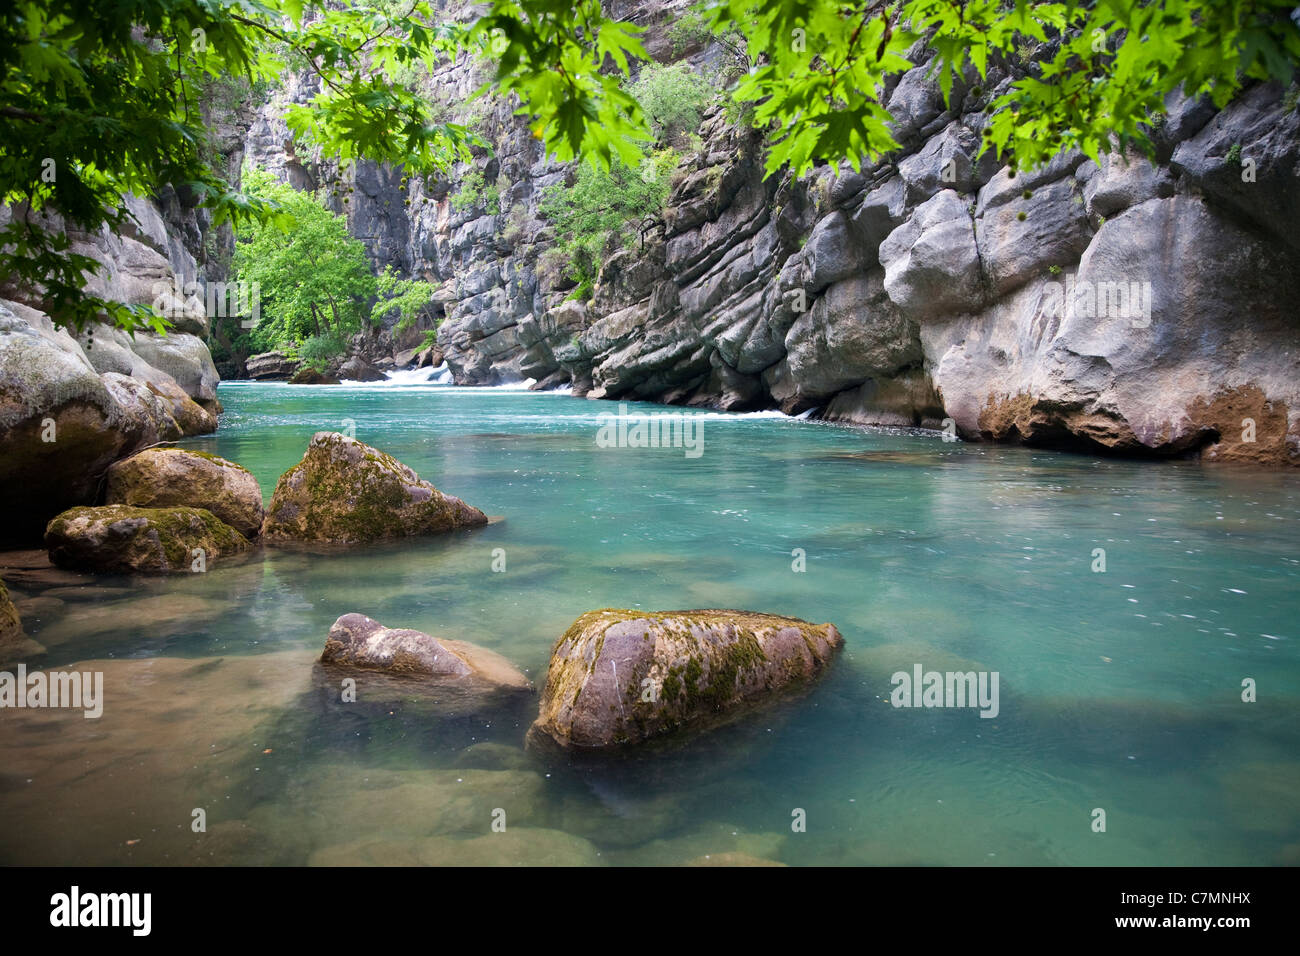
{"x": 358, "y": 641}
{"x": 620, "y": 677}
{"x": 168, "y": 477}
{"x": 345, "y": 492}
{"x": 14, "y": 642}
{"x": 119, "y": 539}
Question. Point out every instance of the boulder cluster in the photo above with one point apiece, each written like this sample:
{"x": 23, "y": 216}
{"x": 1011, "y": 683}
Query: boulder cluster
{"x": 616, "y": 678}
{"x": 171, "y": 510}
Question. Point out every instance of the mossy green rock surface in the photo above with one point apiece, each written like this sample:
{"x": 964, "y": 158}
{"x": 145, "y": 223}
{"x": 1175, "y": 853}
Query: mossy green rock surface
{"x": 120, "y": 539}
{"x": 345, "y": 492}
{"x": 620, "y": 677}
{"x": 170, "y": 477}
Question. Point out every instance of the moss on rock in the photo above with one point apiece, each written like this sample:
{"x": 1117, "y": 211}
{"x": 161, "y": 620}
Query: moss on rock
{"x": 171, "y": 477}
{"x": 120, "y": 539}
{"x": 345, "y": 492}
{"x": 620, "y": 677}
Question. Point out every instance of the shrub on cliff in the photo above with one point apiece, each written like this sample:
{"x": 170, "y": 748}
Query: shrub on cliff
{"x": 602, "y": 211}
{"x": 673, "y": 99}
{"x": 314, "y": 279}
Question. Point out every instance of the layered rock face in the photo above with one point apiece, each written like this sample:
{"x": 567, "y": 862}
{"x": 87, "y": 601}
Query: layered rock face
{"x": 1139, "y": 306}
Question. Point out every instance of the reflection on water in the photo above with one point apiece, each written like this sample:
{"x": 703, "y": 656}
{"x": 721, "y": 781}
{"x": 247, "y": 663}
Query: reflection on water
{"x": 1119, "y": 690}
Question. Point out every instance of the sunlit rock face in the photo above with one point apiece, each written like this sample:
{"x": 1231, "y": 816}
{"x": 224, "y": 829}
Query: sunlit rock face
{"x": 171, "y": 477}
{"x": 71, "y": 404}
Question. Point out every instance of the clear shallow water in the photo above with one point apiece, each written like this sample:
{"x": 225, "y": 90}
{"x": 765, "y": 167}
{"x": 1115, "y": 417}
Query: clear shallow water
{"x": 1119, "y": 690}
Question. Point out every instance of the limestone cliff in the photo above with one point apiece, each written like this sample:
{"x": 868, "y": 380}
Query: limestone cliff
{"x": 71, "y": 406}
{"x": 1136, "y": 306}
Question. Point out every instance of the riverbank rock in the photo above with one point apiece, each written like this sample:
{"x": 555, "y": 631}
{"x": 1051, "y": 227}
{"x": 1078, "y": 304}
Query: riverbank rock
{"x": 309, "y": 376}
{"x": 119, "y": 539}
{"x": 169, "y": 477}
{"x": 345, "y": 492}
{"x": 358, "y": 641}
{"x": 621, "y": 677}
{"x": 271, "y": 366}
{"x": 357, "y": 369}
{"x": 65, "y": 417}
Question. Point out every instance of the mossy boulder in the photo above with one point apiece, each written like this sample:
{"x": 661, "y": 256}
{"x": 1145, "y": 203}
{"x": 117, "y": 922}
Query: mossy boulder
{"x": 120, "y": 539}
{"x": 619, "y": 677}
{"x": 345, "y": 492}
{"x": 357, "y": 641}
{"x": 170, "y": 477}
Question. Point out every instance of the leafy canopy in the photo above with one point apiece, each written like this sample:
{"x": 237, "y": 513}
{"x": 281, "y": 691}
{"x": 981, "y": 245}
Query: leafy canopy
{"x": 1106, "y": 67}
{"x": 99, "y": 97}
{"x": 313, "y": 280}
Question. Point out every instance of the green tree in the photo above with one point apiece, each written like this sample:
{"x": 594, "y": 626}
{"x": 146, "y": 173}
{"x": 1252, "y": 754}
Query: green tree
{"x": 101, "y": 93}
{"x": 314, "y": 280}
{"x": 602, "y": 211}
{"x": 672, "y": 99}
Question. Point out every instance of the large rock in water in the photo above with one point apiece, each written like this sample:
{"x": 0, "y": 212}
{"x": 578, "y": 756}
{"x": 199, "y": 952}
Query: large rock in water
{"x": 119, "y": 539}
{"x": 167, "y": 477}
{"x": 358, "y": 641}
{"x": 620, "y": 677}
{"x": 270, "y": 366}
{"x": 345, "y": 492}
{"x": 64, "y": 417}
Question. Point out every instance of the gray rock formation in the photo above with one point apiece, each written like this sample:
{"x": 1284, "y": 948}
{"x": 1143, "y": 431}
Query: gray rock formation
{"x": 271, "y": 366}
{"x": 63, "y": 421}
{"x": 932, "y": 287}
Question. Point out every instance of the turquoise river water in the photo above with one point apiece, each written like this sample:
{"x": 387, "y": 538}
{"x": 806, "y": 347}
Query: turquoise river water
{"x": 1120, "y": 691}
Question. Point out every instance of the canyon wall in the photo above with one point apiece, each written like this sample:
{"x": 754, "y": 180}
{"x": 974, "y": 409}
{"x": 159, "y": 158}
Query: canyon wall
{"x": 1141, "y": 306}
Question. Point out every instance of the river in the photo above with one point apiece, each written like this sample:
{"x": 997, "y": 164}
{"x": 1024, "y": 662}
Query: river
{"x": 1120, "y": 689}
